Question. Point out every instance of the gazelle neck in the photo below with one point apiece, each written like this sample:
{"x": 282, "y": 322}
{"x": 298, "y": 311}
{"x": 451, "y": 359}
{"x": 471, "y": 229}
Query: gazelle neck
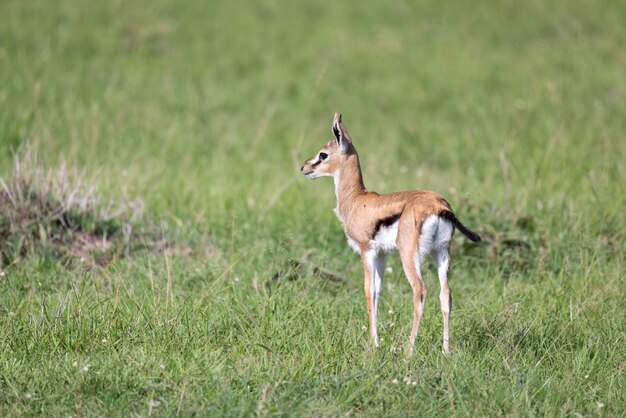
{"x": 348, "y": 184}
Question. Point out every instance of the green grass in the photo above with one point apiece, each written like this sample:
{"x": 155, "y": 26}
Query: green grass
{"x": 515, "y": 111}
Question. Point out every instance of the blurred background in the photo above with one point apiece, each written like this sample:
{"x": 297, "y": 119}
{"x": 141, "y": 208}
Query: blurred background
{"x": 205, "y": 110}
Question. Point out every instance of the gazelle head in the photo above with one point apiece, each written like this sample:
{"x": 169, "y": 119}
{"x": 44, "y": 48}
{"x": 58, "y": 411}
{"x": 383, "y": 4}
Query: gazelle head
{"x": 328, "y": 160}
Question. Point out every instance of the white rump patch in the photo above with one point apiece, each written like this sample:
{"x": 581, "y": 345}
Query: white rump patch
{"x": 436, "y": 235}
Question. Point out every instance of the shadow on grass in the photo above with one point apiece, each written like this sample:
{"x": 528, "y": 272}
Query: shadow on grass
{"x": 58, "y": 213}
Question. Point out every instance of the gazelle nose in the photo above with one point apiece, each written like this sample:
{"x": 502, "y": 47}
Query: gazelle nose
{"x": 302, "y": 168}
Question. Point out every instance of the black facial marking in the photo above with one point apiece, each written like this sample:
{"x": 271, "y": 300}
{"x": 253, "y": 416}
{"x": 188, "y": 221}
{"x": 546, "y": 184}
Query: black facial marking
{"x": 385, "y": 222}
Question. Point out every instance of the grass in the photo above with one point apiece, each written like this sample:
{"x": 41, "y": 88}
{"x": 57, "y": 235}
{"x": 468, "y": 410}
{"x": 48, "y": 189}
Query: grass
{"x": 56, "y": 214}
{"x": 205, "y": 112}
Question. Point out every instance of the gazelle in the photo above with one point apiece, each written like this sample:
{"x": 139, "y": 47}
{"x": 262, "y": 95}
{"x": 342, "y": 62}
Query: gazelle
{"x": 417, "y": 223}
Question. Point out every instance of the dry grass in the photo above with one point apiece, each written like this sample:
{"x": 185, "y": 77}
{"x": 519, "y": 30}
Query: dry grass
{"x": 58, "y": 212}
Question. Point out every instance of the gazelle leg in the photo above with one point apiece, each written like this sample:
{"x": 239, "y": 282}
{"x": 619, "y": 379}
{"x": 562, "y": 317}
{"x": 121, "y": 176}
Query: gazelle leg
{"x": 442, "y": 260}
{"x": 379, "y": 271}
{"x": 374, "y": 268}
{"x": 411, "y": 266}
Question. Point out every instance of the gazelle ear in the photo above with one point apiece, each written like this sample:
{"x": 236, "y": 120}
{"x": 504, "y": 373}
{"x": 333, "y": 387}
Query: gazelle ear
{"x": 340, "y": 133}
{"x": 336, "y": 128}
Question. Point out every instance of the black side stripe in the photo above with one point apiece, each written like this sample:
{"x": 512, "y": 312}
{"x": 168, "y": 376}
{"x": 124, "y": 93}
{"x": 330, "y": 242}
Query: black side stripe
{"x": 385, "y": 222}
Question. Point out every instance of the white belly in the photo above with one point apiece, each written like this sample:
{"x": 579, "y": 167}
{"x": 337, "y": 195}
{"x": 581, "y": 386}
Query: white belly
{"x": 385, "y": 239}
{"x": 435, "y": 235}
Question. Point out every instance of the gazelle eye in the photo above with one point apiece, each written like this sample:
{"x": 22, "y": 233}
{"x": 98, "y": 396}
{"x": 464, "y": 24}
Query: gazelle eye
{"x": 323, "y": 156}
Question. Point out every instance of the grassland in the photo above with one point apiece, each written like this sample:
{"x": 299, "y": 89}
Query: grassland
{"x": 515, "y": 111}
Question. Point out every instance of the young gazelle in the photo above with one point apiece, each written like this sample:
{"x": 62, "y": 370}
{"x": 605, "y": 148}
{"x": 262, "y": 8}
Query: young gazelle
{"x": 417, "y": 223}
